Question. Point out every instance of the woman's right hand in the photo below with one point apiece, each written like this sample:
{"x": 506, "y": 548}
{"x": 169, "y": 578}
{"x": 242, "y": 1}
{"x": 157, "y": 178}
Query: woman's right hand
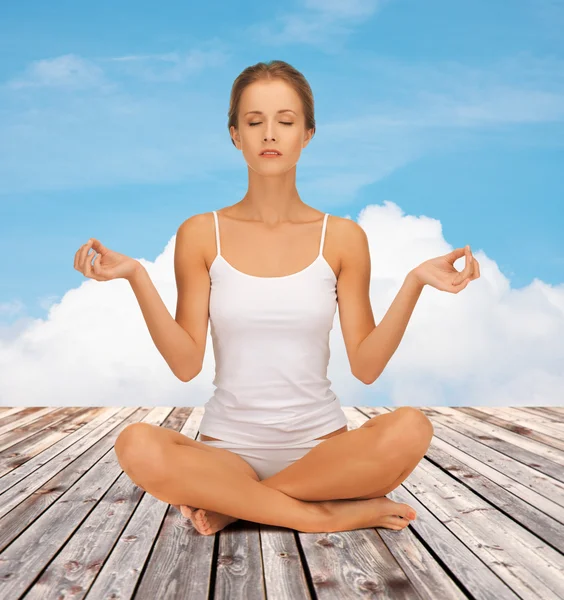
{"x": 107, "y": 263}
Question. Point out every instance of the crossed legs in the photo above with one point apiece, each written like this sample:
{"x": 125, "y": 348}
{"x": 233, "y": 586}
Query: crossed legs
{"x": 365, "y": 463}
{"x": 368, "y": 462}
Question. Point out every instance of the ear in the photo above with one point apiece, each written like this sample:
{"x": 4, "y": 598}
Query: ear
{"x": 308, "y": 136}
{"x": 235, "y": 136}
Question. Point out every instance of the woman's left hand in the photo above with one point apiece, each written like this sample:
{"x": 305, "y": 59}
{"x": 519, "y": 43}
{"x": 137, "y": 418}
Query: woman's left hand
{"x": 440, "y": 272}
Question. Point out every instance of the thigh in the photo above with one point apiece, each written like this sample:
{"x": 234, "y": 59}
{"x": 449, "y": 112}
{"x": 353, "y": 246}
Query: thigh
{"x": 143, "y": 435}
{"x": 360, "y": 463}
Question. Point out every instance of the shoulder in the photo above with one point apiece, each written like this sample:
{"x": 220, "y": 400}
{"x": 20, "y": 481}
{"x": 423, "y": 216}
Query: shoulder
{"x": 194, "y": 234}
{"x": 198, "y": 228}
{"x": 352, "y": 242}
{"x": 196, "y": 223}
{"x": 350, "y": 234}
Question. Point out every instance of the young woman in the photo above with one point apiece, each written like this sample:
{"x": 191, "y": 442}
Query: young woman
{"x": 268, "y": 272}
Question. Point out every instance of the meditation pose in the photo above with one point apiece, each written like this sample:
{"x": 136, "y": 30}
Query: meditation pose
{"x": 267, "y": 274}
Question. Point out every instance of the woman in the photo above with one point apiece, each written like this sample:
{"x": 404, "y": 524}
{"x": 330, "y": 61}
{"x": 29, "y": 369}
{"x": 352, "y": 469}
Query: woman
{"x": 268, "y": 272}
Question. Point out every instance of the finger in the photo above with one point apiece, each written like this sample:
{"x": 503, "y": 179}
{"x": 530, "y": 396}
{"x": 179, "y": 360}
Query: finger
{"x": 85, "y": 257}
{"x": 92, "y": 270}
{"x": 77, "y": 258}
{"x": 469, "y": 269}
{"x": 476, "y": 269}
{"x": 456, "y": 254}
{"x": 457, "y": 287}
{"x": 98, "y": 246}
{"x": 96, "y": 266}
{"x": 462, "y": 285}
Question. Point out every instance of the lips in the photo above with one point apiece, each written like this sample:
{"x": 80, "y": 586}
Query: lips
{"x": 277, "y": 152}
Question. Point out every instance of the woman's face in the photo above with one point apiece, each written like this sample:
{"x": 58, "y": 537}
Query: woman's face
{"x": 283, "y": 131}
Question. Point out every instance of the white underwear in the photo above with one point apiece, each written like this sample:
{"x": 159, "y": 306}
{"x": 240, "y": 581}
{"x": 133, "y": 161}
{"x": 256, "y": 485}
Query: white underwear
{"x": 266, "y": 461}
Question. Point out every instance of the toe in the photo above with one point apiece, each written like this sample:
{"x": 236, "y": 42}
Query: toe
{"x": 396, "y": 522}
{"x": 408, "y": 512}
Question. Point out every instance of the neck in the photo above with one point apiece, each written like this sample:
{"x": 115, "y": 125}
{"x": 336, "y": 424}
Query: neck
{"x": 272, "y": 200}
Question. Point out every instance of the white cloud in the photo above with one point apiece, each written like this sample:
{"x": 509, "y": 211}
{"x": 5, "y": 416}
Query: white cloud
{"x": 68, "y": 71}
{"x": 322, "y": 23}
{"x": 489, "y": 345}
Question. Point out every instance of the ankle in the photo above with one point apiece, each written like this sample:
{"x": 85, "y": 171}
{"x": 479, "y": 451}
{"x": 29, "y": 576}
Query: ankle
{"x": 318, "y": 518}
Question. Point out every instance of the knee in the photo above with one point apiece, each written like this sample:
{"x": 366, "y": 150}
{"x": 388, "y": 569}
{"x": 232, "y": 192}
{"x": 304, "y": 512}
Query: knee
{"x": 415, "y": 426}
{"x": 137, "y": 450}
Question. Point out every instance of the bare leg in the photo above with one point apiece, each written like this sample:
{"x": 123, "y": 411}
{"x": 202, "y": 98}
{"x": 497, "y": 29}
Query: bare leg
{"x": 208, "y": 522}
{"x": 363, "y": 463}
{"x": 184, "y": 475}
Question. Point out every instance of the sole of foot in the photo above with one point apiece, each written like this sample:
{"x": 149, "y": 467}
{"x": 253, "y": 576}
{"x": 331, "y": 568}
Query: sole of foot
{"x": 206, "y": 522}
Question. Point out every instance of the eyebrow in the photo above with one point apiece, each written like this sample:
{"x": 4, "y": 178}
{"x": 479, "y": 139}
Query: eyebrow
{"x": 258, "y": 112}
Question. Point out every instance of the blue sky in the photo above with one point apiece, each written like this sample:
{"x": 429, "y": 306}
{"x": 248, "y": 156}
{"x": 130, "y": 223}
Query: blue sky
{"x": 113, "y": 124}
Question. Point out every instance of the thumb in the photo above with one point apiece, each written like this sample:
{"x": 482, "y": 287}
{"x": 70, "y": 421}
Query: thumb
{"x": 98, "y": 246}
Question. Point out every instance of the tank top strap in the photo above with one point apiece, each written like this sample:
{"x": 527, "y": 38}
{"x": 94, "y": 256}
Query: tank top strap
{"x": 217, "y": 233}
{"x": 323, "y": 234}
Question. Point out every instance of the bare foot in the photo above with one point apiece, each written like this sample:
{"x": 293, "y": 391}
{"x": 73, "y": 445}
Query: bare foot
{"x": 204, "y": 521}
{"x": 346, "y": 515}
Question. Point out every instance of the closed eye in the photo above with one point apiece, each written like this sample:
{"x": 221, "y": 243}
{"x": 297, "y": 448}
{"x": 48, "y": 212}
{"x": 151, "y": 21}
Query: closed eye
{"x": 259, "y": 122}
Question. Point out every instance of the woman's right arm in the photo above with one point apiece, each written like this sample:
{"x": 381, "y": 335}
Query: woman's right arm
{"x": 180, "y": 341}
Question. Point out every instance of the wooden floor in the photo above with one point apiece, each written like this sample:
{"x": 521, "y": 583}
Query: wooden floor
{"x": 489, "y": 497}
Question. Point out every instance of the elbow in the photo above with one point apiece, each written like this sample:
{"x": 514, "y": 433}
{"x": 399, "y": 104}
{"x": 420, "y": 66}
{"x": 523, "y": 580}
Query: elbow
{"x": 186, "y": 377}
{"x": 366, "y": 380}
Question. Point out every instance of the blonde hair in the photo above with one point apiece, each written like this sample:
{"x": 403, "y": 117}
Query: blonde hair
{"x": 274, "y": 69}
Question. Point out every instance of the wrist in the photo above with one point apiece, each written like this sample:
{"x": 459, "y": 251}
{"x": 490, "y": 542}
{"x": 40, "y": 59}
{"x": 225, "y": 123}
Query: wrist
{"x": 414, "y": 278}
{"x": 138, "y": 272}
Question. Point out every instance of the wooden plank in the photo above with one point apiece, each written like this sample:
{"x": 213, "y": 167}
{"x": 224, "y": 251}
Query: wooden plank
{"x": 41, "y": 532}
{"x": 8, "y": 410}
{"x": 24, "y": 416}
{"x": 355, "y": 418}
{"x": 461, "y": 568}
{"x": 284, "y": 573}
{"x": 429, "y": 577}
{"x": 544, "y": 477}
{"x": 531, "y": 453}
{"x": 103, "y": 536}
{"x": 156, "y": 559}
{"x": 97, "y": 534}
{"x": 352, "y": 564}
{"x": 523, "y": 561}
{"x": 468, "y": 571}
{"x": 541, "y": 515}
{"x": 552, "y": 435}
{"x": 239, "y": 571}
{"x": 525, "y": 432}
{"x": 13, "y": 415}
{"x": 559, "y": 410}
{"x": 10, "y": 479}
{"x": 467, "y": 461}
{"x": 377, "y": 561}
{"x": 546, "y": 411}
{"x": 553, "y": 421}
{"x": 42, "y": 435}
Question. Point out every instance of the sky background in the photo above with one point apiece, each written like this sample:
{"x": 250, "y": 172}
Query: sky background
{"x": 439, "y": 124}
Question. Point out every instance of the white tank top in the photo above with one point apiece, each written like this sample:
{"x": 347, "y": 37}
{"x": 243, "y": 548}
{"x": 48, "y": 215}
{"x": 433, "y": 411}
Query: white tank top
{"x": 271, "y": 345}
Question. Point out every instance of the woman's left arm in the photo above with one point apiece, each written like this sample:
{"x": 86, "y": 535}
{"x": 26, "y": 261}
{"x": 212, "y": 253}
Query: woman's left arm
{"x": 375, "y": 351}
